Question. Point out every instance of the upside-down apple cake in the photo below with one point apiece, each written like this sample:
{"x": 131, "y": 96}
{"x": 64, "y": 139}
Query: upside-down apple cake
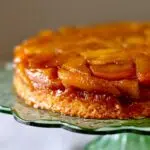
{"x": 99, "y": 71}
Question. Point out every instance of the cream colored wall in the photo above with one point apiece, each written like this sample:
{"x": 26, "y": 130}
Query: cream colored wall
{"x": 22, "y": 18}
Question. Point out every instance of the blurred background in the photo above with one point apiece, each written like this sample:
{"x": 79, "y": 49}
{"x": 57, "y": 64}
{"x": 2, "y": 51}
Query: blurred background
{"x": 20, "y": 19}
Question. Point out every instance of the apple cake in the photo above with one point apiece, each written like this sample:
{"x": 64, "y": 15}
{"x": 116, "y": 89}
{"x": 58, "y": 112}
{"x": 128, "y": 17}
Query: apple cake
{"x": 99, "y": 71}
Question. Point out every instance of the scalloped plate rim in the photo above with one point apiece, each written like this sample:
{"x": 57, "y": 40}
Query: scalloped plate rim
{"x": 75, "y": 128}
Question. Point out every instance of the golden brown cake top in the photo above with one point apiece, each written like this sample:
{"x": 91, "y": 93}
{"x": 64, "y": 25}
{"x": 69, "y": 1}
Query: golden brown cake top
{"x": 107, "y": 58}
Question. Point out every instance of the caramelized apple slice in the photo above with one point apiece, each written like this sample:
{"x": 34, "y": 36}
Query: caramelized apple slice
{"x": 76, "y": 64}
{"x": 86, "y": 82}
{"x": 46, "y": 61}
{"x": 98, "y": 53}
{"x": 114, "y": 71}
{"x": 40, "y": 61}
{"x": 76, "y": 74}
{"x": 128, "y": 88}
{"x": 143, "y": 69}
{"x": 105, "y": 56}
{"x": 39, "y": 49}
{"x": 44, "y": 78}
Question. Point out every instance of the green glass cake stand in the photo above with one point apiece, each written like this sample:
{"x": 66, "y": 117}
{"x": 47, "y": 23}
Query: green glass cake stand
{"x": 114, "y": 134}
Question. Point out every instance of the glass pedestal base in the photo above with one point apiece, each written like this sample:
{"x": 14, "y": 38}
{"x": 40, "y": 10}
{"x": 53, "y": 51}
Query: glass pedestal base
{"x": 120, "y": 141}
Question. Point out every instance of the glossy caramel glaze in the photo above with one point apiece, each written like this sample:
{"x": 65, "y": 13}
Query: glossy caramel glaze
{"x": 107, "y": 62}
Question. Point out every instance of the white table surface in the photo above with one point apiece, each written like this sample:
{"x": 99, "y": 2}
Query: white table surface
{"x": 16, "y": 136}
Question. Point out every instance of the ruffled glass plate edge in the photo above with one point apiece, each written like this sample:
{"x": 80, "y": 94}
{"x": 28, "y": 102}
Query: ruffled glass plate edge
{"x": 74, "y": 128}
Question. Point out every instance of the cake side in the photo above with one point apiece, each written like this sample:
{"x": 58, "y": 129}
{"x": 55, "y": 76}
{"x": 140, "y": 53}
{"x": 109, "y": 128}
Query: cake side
{"x": 89, "y": 106}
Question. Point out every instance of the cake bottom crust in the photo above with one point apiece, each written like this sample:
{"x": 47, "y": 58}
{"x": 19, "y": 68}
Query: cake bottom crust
{"x": 77, "y": 106}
